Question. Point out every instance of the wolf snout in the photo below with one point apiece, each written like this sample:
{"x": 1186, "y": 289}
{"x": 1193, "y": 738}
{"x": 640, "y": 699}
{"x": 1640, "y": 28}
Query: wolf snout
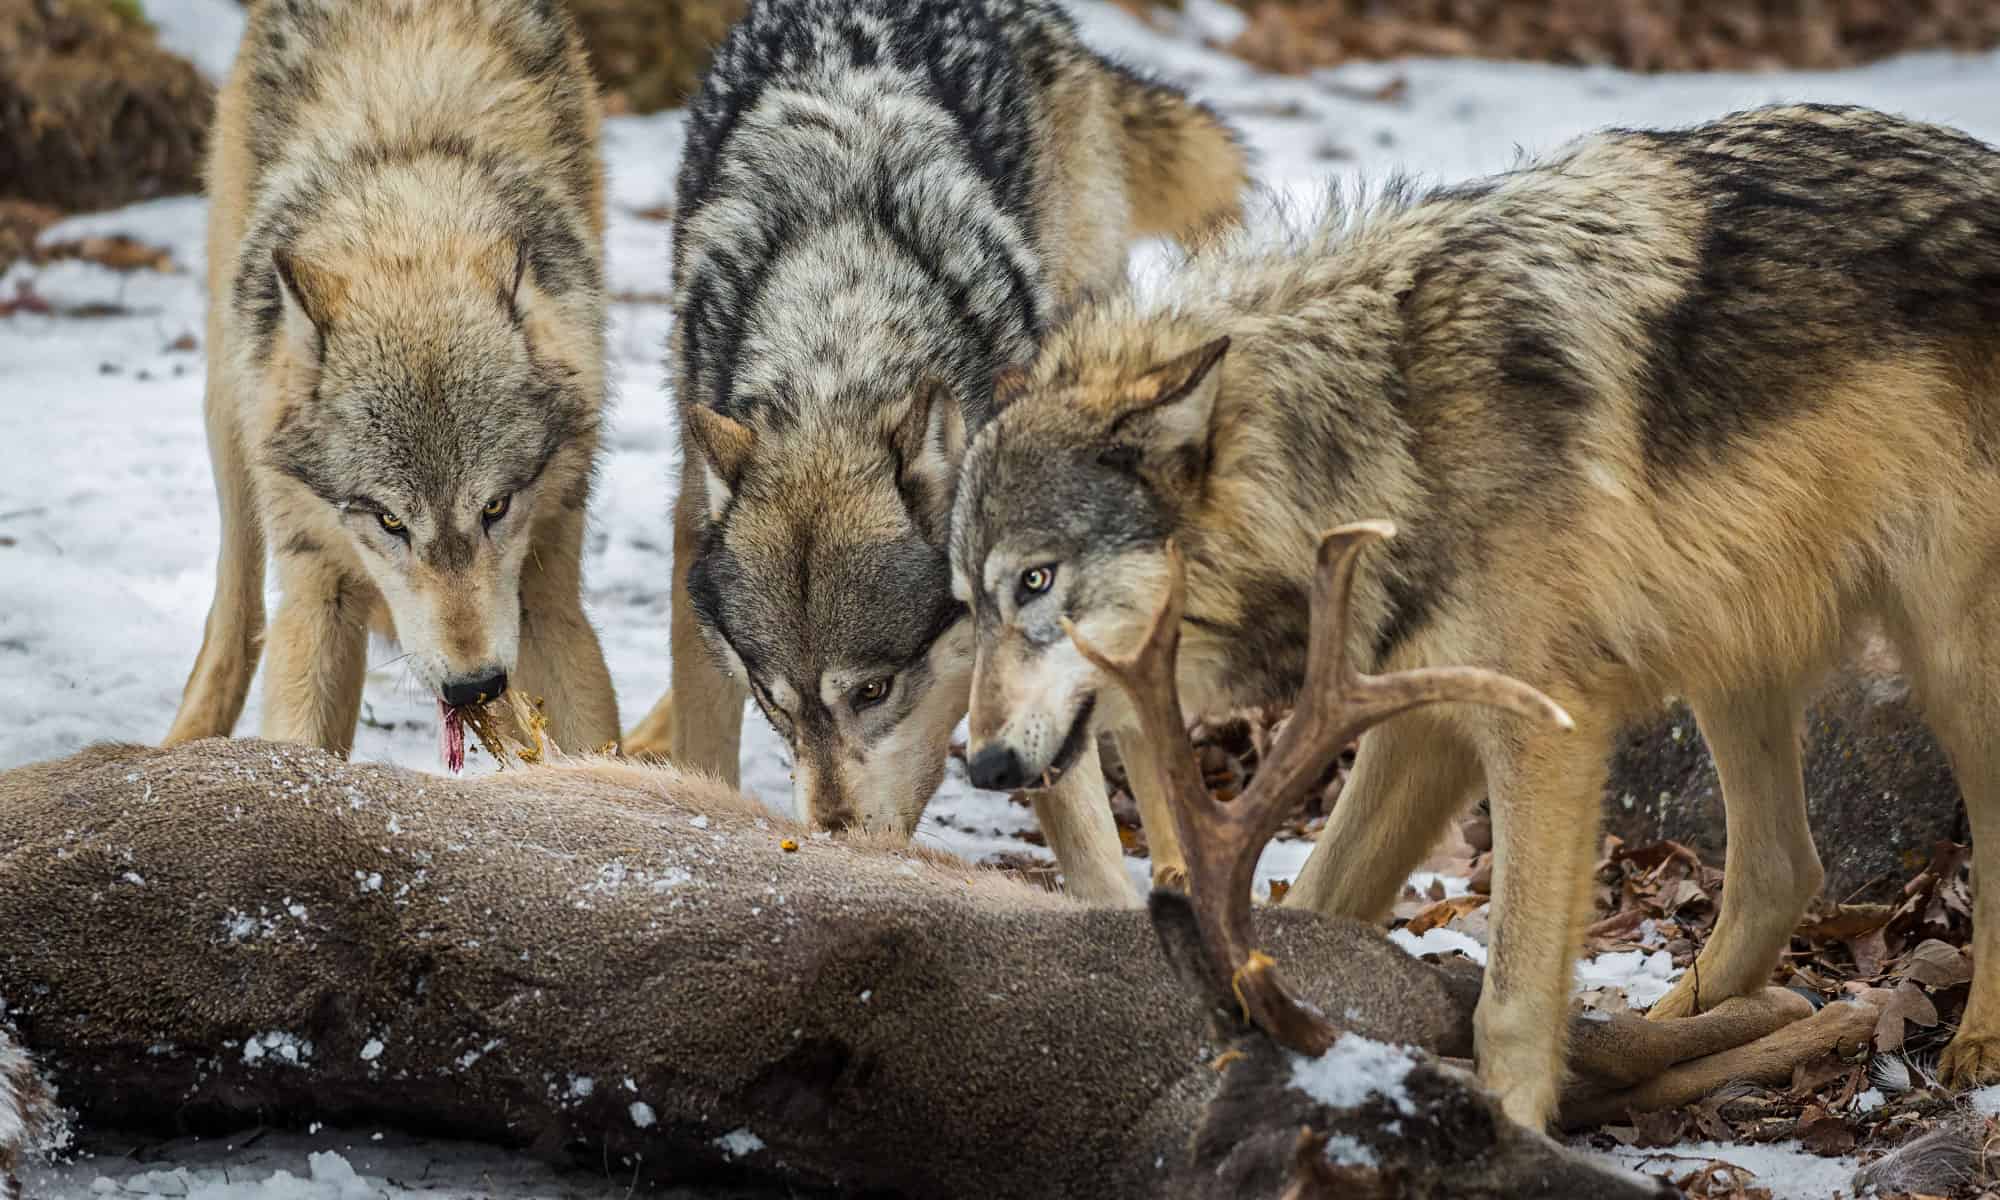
{"x": 477, "y": 688}
{"x": 996, "y": 767}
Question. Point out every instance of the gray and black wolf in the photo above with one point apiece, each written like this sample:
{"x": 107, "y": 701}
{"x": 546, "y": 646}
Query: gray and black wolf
{"x": 881, "y": 205}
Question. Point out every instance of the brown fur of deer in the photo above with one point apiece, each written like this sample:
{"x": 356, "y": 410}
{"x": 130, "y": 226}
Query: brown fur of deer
{"x": 614, "y": 922}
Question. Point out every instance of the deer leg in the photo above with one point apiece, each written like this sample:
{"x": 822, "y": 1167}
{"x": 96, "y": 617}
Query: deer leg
{"x": 1547, "y": 793}
{"x": 1412, "y": 775}
{"x": 1772, "y": 870}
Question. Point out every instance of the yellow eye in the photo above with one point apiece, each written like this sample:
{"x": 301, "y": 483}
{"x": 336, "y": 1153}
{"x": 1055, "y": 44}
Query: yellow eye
{"x": 873, "y": 692}
{"x": 391, "y": 523}
{"x": 1036, "y": 580}
{"x": 496, "y": 508}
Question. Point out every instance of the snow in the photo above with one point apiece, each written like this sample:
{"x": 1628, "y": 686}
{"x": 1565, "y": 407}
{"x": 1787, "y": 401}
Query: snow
{"x": 740, "y": 1143}
{"x": 1985, "y": 1101}
{"x": 1644, "y": 978}
{"x": 1355, "y": 1070}
{"x": 1790, "y": 1171}
{"x": 107, "y": 508}
{"x": 329, "y": 1164}
{"x": 643, "y": 1115}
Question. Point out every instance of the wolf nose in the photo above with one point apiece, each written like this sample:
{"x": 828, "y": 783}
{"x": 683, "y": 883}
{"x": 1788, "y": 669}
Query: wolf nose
{"x": 475, "y": 691}
{"x": 997, "y": 768}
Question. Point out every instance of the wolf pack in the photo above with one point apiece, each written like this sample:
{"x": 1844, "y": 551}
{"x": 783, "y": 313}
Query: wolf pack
{"x": 1659, "y": 413}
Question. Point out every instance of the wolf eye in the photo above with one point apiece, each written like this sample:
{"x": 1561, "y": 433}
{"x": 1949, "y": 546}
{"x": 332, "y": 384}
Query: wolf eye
{"x": 496, "y": 508}
{"x": 393, "y": 523}
{"x": 874, "y": 692}
{"x": 1035, "y": 581}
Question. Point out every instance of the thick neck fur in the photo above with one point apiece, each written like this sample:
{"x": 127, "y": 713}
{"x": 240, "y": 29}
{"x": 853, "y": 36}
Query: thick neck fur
{"x": 1312, "y": 429}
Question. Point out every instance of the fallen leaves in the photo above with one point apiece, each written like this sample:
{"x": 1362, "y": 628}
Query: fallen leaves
{"x": 1296, "y": 36}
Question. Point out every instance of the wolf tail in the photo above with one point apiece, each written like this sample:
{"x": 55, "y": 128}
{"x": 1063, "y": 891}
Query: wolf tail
{"x": 1185, "y": 168}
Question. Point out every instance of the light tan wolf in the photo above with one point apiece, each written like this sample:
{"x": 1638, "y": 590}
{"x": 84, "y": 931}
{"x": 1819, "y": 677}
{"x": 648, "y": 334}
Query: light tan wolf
{"x": 863, "y": 236}
{"x": 405, "y": 349}
{"x": 1666, "y": 413}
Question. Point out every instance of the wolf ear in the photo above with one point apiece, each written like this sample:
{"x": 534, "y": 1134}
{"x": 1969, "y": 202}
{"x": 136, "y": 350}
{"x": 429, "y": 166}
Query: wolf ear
{"x": 309, "y": 296}
{"x": 1166, "y": 429}
{"x": 929, "y": 439}
{"x": 725, "y": 447}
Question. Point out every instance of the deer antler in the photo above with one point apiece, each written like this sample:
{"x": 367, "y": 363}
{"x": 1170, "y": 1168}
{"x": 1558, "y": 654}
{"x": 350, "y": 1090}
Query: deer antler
{"x": 1222, "y": 840}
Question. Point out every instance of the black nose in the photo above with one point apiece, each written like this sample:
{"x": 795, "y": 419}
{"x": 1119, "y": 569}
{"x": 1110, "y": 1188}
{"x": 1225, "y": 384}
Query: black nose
{"x": 997, "y": 768}
{"x": 475, "y": 691}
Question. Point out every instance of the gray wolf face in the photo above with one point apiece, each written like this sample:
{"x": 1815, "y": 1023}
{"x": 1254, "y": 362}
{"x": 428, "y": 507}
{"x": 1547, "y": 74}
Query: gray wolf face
{"x": 438, "y": 433}
{"x": 1062, "y": 516}
{"x": 823, "y": 583}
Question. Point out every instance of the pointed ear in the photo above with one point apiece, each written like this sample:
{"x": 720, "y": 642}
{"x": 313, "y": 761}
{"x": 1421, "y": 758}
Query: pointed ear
{"x": 310, "y": 297}
{"x": 725, "y": 447}
{"x": 930, "y": 440}
{"x": 1166, "y": 429}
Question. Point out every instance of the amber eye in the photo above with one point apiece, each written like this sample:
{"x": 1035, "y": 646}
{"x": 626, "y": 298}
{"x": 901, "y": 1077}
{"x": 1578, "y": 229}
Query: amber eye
{"x": 393, "y": 524}
{"x": 873, "y": 692}
{"x": 1036, "y": 580}
{"x": 496, "y": 508}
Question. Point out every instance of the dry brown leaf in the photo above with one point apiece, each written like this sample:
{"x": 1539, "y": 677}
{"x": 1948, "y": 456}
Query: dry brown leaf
{"x": 1937, "y": 964}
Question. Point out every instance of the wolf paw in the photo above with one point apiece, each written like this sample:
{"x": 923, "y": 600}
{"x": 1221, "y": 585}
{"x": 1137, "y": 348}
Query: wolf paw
{"x": 1172, "y": 876}
{"x": 1972, "y": 1060}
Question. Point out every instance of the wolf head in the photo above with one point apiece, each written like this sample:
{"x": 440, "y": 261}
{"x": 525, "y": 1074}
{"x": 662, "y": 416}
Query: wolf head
{"x": 432, "y": 404}
{"x": 824, "y": 583}
{"x": 1063, "y": 511}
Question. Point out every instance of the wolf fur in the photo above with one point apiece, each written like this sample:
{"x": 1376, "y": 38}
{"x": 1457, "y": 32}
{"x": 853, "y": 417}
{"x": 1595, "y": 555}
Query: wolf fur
{"x": 1663, "y": 413}
{"x": 405, "y": 381}
{"x": 881, "y": 205}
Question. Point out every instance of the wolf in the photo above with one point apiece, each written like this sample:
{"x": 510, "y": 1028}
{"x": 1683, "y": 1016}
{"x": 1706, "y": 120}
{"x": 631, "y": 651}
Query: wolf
{"x": 405, "y": 348}
{"x": 882, "y": 204}
{"x": 1670, "y": 412}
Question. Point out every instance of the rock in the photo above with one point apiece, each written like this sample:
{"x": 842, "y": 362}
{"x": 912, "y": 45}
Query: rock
{"x": 94, "y": 114}
{"x": 1879, "y": 789}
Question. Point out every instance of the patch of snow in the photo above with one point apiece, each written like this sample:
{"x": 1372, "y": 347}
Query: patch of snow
{"x": 740, "y": 1143}
{"x": 277, "y": 1047}
{"x": 1344, "y": 1151}
{"x": 373, "y": 1050}
{"x": 1355, "y": 1069}
{"x": 1985, "y": 1101}
{"x": 330, "y": 1166}
{"x": 1790, "y": 1171}
{"x": 1870, "y": 1100}
{"x": 1439, "y": 940}
{"x": 643, "y": 1115}
{"x": 205, "y": 32}
{"x": 1645, "y": 978}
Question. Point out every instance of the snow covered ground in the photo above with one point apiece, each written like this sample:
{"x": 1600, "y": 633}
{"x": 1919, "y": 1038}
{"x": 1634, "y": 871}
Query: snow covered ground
{"x": 107, "y": 513}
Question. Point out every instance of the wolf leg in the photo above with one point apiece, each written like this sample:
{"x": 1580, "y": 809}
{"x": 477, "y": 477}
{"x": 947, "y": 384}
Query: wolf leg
{"x": 561, "y": 663}
{"x": 698, "y": 724}
{"x": 1772, "y": 870}
{"x": 213, "y": 698}
{"x": 1548, "y": 794}
{"x": 1156, "y": 813}
{"x": 1953, "y": 658}
{"x": 317, "y": 656}
{"x": 1411, "y": 777}
{"x": 1075, "y": 816}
